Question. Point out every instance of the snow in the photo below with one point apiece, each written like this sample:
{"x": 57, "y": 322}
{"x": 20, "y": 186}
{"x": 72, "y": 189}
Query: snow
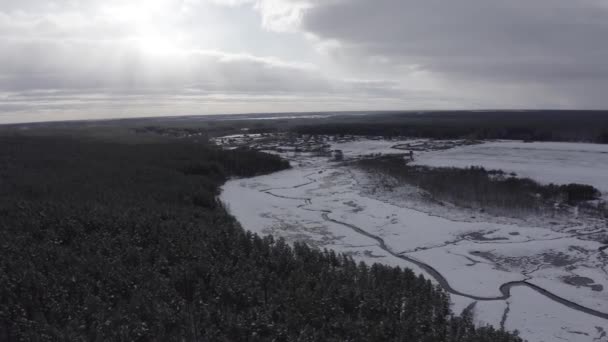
{"x": 459, "y": 303}
{"x": 249, "y": 201}
{"x": 545, "y": 162}
{"x": 584, "y": 295}
{"x": 358, "y": 148}
{"x": 329, "y": 205}
{"x": 489, "y": 313}
{"x": 463, "y": 275}
{"x": 538, "y": 319}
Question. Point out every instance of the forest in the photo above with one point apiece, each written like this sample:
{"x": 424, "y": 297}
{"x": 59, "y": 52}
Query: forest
{"x": 490, "y": 190}
{"x": 125, "y": 241}
{"x": 546, "y": 125}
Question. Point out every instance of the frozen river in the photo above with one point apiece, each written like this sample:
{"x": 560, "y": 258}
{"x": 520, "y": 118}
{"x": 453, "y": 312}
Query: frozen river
{"x": 548, "y": 284}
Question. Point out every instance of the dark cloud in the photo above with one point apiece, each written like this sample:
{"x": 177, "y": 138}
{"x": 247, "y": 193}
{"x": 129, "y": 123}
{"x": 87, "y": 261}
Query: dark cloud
{"x": 520, "y": 41}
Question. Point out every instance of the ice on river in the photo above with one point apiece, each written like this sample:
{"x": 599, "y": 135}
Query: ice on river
{"x": 307, "y": 202}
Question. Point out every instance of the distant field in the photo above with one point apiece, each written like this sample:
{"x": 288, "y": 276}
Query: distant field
{"x": 545, "y": 162}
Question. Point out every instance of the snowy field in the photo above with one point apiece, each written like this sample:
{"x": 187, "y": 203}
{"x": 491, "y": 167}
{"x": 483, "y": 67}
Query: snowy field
{"x": 545, "y": 162}
{"x": 329, "y": 205}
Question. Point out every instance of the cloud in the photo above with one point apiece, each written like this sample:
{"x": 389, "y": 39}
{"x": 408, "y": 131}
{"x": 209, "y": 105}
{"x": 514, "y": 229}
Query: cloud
{"x": 75, "y": 64}
{"x": 87, "y": 57}
{"x": 143, "y": 55}
{"x": 557, "y": 44}
{"x": 121, "y": 67}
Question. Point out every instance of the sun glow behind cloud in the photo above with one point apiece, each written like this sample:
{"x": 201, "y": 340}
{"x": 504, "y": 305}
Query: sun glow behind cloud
{"x": 148, "y": 25}
{"x": 90, "y": 56}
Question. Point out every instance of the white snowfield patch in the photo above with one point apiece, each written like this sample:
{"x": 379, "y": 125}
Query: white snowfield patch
{"x": 545, "y": 162}
{"x": 323, "y": 203}
{"x": 490, "y": 313}
{"x": 465, "y": 272}
{"x": 364, "y": 147}
{"x": 539, "y": 319}
{"x": 285, "y": 212}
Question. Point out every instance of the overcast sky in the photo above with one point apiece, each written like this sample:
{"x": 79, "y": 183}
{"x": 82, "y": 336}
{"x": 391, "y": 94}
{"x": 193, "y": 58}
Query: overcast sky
{"x": 71, "y": 59}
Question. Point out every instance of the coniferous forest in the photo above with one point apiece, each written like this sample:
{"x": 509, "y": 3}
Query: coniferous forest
{"x": 492, "y": 190}
{"x": 109, "y": 241}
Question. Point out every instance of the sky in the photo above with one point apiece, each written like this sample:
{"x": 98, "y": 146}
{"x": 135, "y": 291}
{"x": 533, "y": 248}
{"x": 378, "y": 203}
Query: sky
{"x": 89, "y": 59}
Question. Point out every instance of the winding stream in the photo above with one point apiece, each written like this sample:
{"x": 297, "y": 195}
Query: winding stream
{"x": 505, "y": 289}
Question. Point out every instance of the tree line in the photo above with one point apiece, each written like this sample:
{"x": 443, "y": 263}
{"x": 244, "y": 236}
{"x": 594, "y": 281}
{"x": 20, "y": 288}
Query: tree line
{"x": 579, "y": 126}
{"x": 476, "y": 187}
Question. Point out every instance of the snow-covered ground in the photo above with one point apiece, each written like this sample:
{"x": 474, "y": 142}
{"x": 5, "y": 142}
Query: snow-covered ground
{"x": 329, "y": 205}
{"x": 545, "y": 162}
{"x": 539, "y": 319}
{"x": 365, "y": 147}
